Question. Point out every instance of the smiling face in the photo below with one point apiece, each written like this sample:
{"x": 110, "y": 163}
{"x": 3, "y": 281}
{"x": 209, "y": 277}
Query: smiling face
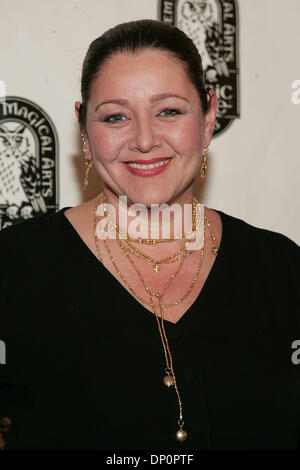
{"x": 145, "y": 129}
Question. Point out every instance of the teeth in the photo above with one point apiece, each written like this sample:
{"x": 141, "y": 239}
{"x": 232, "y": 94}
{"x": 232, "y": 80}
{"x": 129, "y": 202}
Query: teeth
{"x": 147, "y": 167}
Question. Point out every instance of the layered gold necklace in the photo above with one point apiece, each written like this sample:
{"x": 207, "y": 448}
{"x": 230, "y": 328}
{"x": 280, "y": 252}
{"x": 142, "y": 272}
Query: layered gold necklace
{"x": 156, "y": 263}
{"x": 128, "y": 248}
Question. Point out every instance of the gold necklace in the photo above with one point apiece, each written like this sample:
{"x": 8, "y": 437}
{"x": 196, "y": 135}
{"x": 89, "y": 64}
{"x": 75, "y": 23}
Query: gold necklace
{"x": 135, "y": 253}
{"x": 157, "y": 262}
{"x": 150, "y": 241}
{"x": 129, "y": 241}
{"x": 169, "y": 379}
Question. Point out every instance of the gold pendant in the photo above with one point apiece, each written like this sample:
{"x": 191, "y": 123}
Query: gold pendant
{"x": 214, "y": 250}
{"x": 168, "y": 380}
{"x": 156, "y": 267}
{"x": 181, "y": 435}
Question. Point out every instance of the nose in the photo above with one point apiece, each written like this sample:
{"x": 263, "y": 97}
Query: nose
{"x": 145, "y": 137}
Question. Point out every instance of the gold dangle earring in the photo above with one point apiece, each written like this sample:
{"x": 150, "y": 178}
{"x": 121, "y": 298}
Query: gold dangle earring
{"x": 203, "y": 166}
{"x": 88, "y": 164}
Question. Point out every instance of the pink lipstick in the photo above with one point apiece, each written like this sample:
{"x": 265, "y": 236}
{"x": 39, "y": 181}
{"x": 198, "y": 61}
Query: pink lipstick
{"x": 146, "y": 168}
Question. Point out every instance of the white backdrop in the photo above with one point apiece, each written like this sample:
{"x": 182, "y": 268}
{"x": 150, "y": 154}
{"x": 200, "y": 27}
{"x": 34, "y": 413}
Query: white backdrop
{"x": 253, "y": 166}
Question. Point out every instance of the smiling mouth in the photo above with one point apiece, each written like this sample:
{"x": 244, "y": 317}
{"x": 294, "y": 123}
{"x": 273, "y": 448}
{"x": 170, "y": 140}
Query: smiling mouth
{"x": 144, "y": 166}
{"x": 149, "y": 165}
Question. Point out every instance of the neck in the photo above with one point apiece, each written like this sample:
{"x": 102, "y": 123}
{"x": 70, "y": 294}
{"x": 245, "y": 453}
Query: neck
{"x": 165, "y": 220}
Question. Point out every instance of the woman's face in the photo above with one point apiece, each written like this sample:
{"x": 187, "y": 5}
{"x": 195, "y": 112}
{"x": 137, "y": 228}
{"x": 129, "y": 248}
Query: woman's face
{"x": 145, "y": 129}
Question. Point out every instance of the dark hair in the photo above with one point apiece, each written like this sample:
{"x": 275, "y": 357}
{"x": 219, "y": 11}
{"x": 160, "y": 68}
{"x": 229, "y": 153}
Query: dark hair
{"x": 136, "y": 35}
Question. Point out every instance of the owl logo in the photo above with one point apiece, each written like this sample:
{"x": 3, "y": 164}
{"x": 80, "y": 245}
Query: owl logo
{"x": 212, "y": 25}
{"x": 20, "y": 179}
{"x": 28, "y": 161}
{"x": 201, "y": 20}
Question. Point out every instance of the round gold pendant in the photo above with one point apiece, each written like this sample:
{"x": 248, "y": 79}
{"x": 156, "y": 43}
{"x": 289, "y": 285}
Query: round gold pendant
{"x": 168, "y": 380}
{"x": 181, "y": 435}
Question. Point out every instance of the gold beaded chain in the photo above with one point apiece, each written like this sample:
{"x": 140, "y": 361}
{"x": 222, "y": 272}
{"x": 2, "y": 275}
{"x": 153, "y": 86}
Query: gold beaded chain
{"x": 169, "y": 379}
{"x": 135, "y": 253}
{"x": 156, "y": 263}
{"x": 130, "y": 241}
{"x": 150, "y": 241}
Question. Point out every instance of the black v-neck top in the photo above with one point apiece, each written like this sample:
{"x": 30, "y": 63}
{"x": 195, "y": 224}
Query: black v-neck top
{"x": 84, "y": 360}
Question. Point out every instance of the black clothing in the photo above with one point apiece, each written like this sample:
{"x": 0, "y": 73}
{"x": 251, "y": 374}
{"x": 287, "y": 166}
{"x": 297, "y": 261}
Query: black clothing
{"x": 85, "y": 364}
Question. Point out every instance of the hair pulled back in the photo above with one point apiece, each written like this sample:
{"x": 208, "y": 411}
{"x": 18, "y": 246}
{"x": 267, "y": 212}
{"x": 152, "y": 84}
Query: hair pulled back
{"x": 136, "y": 35}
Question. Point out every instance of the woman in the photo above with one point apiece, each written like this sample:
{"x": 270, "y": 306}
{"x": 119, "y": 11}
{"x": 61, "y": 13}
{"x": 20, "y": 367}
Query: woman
{"x": 161, "y": 345}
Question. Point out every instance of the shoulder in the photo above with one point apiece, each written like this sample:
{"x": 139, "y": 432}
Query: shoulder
{"x": 260, "y": 264}
{"x": 242, "y": 233}
{"x": 260, "y": 255}
{"x": 31, "y": 229}
{"x": 31, "y": 238}
{"x": 25, "y": 229}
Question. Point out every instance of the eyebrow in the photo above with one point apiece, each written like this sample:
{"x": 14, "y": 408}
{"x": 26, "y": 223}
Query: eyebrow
{"x": 153, "y": 99}
{"x": 164, "y": 96}
{"x": 121, "y": 102}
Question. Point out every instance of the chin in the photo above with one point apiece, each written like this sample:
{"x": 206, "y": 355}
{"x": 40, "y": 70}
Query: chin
{"x": 149, "y": 197}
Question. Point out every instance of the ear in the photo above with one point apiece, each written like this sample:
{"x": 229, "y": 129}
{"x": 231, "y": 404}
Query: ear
{"x": 83, "y": 132}
{"x": 210, "y": 118}
{"x": 77, "y": 108}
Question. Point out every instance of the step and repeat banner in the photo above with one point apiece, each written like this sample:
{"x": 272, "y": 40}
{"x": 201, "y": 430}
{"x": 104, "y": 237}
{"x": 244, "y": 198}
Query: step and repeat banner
{"x": 249, "y": 53}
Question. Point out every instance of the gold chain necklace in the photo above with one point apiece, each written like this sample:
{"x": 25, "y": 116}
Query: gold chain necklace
{"x": 156, "y": 263}
{"x": 135, "y": 253}
{"x": 169, "y": 379}
{"x": 149, "y": 241}
{"x": 130, "y": 241}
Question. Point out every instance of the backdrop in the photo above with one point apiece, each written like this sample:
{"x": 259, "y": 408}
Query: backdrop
{"x": 253, "y": 165}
